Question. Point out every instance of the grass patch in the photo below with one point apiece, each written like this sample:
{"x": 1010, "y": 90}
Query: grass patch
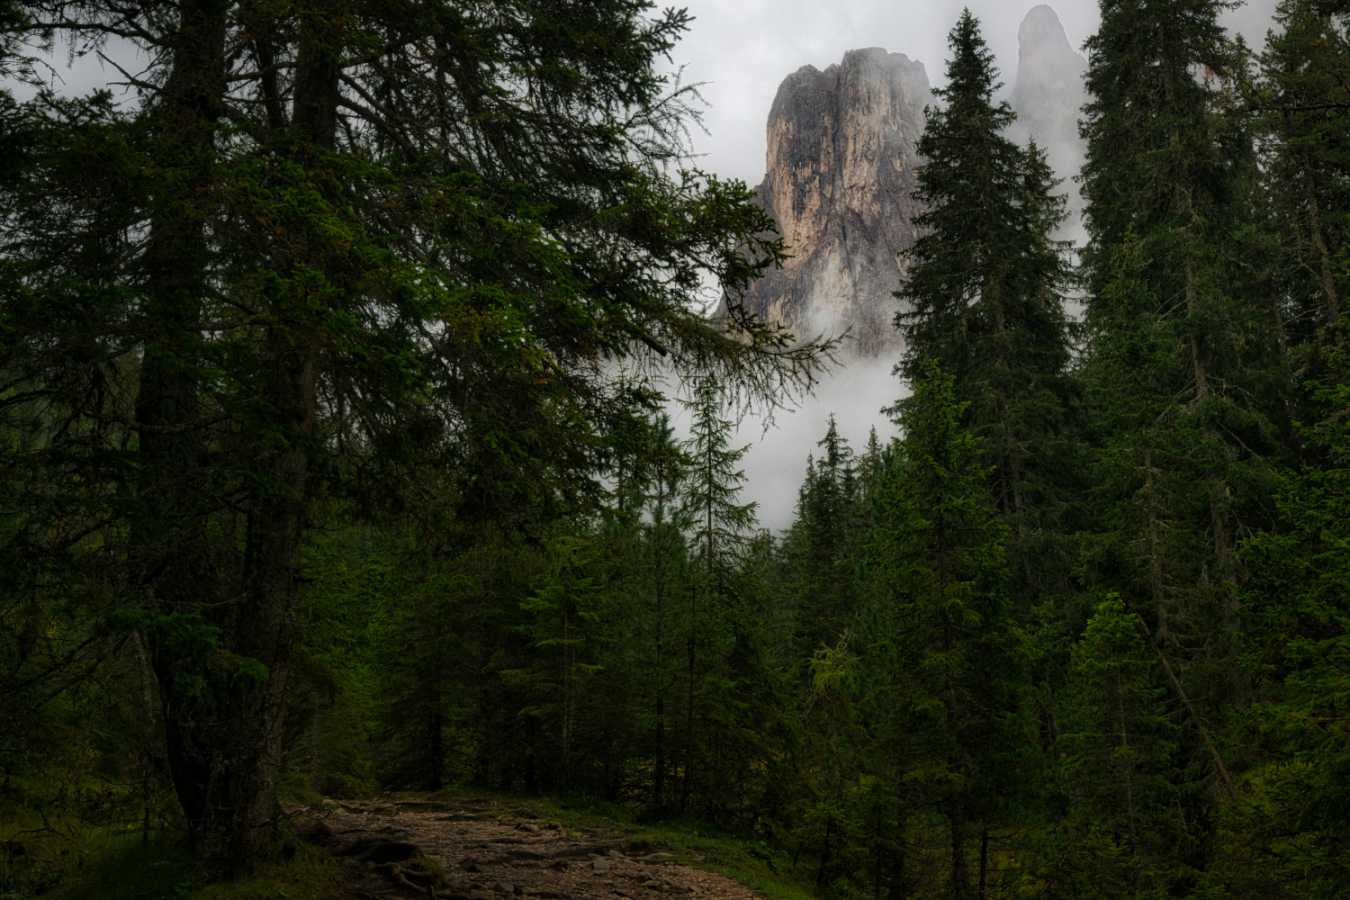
{"x": 123, "y": 867}
{"x": 295, "y": 788}
{"x": 743, "y": 858}
{"x": 309, "y": 875}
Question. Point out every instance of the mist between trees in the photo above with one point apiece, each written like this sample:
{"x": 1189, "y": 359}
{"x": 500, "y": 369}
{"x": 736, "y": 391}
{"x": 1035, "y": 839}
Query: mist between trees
{"x": 317, "y": 477}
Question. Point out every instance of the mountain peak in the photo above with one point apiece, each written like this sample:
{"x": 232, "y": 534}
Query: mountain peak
{"x": 1041, "y": 32}
{"x": 841, "y": 167}
{"x": 1049, "y": 92}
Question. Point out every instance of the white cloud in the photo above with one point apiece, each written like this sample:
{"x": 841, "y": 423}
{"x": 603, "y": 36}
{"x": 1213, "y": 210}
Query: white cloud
{"x": 743, "y": 49}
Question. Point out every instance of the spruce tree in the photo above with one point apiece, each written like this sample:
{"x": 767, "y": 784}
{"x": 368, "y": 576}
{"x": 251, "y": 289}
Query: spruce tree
{"x": 1169, "y": 182}
{"x": 720, "y": 527}
{"x": 720, "y": 531}
{"x": 565, "y": 621}
{"x": 1300, "y": 734}
{"x": 1304, "y": 71}
{"x": 824, "y": 547}
{"x": 937, "y": 551}
{"x": 985, "y": 288}
{"x": 1121, "y": 825}
{"x": 663, "y": 587}
{"x": 869, "y": 467}
{"x": 1149, "y": 492}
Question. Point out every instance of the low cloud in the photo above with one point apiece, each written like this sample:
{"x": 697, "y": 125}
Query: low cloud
{"x": 776, "y": 463}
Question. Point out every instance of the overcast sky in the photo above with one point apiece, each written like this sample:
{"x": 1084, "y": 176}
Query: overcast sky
{"x": 741, "y": 50}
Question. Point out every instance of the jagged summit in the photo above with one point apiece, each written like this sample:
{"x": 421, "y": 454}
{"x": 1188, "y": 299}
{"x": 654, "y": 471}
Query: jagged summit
{"x": 1049, "y": 91}
{"x": 840, "y": 171}
{"x": 841, "y": 167}
{"x": 1041, "y": 35}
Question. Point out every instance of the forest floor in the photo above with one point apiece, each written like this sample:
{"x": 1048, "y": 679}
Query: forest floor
{"x": 483, "y": 849}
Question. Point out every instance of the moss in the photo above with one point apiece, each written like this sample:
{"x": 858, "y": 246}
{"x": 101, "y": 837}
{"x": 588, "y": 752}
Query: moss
{"x": 295, "y": 788}
{"x": 431, "y": 867}
{"x": 309, "y": 875}
{"x": 126, "y": 867}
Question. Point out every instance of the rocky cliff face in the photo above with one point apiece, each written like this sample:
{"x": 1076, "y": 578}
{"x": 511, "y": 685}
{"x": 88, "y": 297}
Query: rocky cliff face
{"x": 842, "y": 166}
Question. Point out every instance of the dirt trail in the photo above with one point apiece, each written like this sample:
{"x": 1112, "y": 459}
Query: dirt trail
{"x": 490, "y": 851}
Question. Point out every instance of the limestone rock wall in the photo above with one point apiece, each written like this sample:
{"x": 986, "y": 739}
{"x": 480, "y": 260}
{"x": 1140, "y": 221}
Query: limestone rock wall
{"x": 841, "y": 165}
{"x": 841, "y": 168}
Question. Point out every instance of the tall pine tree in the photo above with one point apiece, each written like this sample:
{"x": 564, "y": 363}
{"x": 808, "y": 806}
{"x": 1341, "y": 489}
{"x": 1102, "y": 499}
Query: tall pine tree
{"x": 985, "y": 289}
{"x": 1305, "y": 71}
{"x": 823, "y": 548}
{"x": 937, "y": 549}
{"x": 1169, "y": 183}
{"x": 720, "y": 532}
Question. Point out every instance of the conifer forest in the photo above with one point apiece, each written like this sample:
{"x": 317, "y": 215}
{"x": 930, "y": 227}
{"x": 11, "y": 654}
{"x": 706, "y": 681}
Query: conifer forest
{"x": 337, "y": 375}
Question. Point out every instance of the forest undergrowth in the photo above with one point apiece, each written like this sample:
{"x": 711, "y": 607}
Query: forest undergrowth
{"x": 63, "y": 852}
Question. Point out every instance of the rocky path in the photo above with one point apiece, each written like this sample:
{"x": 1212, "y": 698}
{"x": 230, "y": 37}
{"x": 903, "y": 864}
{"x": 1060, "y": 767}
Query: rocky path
{"x": 482, "y": 850}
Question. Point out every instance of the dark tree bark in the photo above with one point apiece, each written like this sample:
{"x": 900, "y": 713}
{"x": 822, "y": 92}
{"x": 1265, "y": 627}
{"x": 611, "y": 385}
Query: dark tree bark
{"x": 224, "y": 714}
{"x": 169, "y": 537}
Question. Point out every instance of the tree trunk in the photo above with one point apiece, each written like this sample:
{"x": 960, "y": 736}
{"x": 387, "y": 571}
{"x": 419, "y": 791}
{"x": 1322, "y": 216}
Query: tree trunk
{"x": 565, "y": 738}
{"x": 1127, "y": 766}
{"x": 1155, "y": 560}
{"x": 1331, "y": 300}
{"x": 984, "y": 860}
{"x": 224, "y": 721}
{"x": 897, "y": 879}
{"x": 687, "y": 788}
{"x": 960, "y": 887}
{"x": 170, "y": 548}
{"x": 659, "y": 776}
{"x": 825, "y": 853}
